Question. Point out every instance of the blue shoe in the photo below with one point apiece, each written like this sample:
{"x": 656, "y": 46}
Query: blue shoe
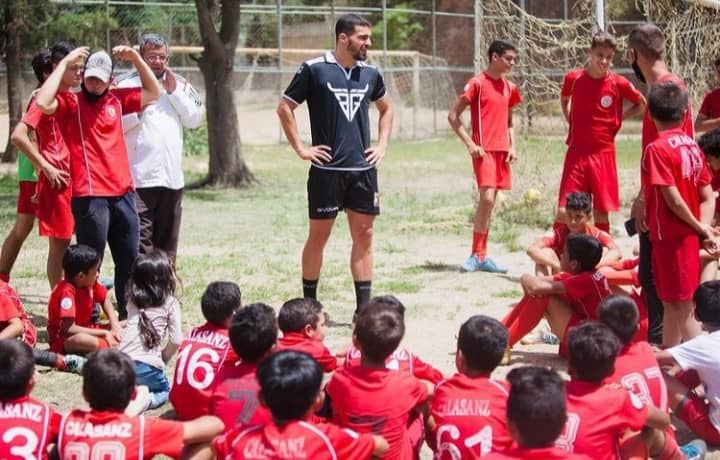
{"x": 109, "y": 283}
{"x": 694, "y": 450}
{"x": 474, "y": 264}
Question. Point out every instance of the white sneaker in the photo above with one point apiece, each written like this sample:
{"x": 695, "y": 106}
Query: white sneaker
{"x": 141, "y": 402}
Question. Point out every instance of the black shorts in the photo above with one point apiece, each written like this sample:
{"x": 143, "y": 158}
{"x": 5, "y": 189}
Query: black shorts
{"x": 331, "y": 191}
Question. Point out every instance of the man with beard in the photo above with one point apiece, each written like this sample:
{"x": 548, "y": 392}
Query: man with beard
{"x": 154, "y": 139}
{"x": 103, "y": 199}
{"x": 339, "y": 87}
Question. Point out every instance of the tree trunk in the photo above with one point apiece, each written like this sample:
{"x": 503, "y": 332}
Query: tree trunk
{"x": 14, "y": 72}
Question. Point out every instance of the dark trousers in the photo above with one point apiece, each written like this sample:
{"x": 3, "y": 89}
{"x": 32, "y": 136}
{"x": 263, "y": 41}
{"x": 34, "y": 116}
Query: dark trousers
{"x": 111, "y": 220}
{"x": 160, "y": 213}
{"x": 647, "y": 281}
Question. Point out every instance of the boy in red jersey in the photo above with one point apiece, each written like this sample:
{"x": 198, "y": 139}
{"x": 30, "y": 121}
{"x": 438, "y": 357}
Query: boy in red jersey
{"x": 491, "y": 99}
{"x": 253, "y": 335}
{"x": 709, "y": 143}
{"x": 468, "y": 409}
{"x": 592, "y": 102}
{"x": 578, "y": 209}
{"x": 680, "y": 205}
{"x": 708, "y": 117}
{"x": 70, "y": 308}
{"x": 204, "y": 351}
{"x": 290, "y": 386}
{"x": 14, "y": 322}
{"x": 302, "y": 323}
{"x": 27, "y": 426}
{"x": 373, "y": 399}
{"x": 535, "y": 415}
{"x": 568, "y": 298}
{"x": 106, "y": 432}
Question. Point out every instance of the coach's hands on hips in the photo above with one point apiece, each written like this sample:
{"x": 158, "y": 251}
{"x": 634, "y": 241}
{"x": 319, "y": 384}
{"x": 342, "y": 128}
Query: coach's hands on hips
{"x": 375, "y": 155}
{"x": 638, "y": 213}
{"x": 475, "y": 150}
{"x": 317, "y": 154}
{"x": 126, "y": 53}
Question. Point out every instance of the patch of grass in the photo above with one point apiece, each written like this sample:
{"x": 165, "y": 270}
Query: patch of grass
{"x": 509, "y": 294}
{"x": 398, "y": 286}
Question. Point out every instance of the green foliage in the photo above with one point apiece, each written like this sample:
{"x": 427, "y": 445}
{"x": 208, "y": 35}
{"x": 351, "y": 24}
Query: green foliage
{"x": 405, "y": 30}
{"x": 82, "y": 25}
{"x": 195, "y": 141}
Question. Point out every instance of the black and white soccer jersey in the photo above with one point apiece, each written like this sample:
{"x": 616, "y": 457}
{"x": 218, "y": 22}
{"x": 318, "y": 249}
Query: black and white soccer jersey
{"x": 338, "y": 101}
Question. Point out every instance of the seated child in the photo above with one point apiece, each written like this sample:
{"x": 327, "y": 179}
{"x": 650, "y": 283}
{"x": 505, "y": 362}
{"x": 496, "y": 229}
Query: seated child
{"x": 70, "y": 308}
{"x": 568, "y": 298}
{"x": 105, "y": 431}
{"x": 710, "y": 145}
{"x": 371, "y": 398}
{"x": 27, "y": 426}
{"x": 153, "y": 314}
{"x": 290, "y": 386}
{"x": 468, "y": 409}
{"x": 234, "y": 398}
{"x": 14, "y": 322}
{"x": 204, "y": 351}
{"x": 599, "y": 416}
{"x": 546, "y": 251}
{"x": 535, "y": 416}
{"x": 302, "y": 323}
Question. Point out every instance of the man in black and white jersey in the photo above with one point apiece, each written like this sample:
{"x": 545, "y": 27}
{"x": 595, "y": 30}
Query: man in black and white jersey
{"x": 338, "y": 88}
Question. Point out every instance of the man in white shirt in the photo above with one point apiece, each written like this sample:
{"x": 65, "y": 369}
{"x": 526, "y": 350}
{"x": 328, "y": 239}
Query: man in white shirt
{"x": 154, "y": 141}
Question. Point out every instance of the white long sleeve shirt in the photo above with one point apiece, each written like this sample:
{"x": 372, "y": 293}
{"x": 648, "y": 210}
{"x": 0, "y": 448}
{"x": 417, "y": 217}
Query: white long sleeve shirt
{"x": 154, "y": 137}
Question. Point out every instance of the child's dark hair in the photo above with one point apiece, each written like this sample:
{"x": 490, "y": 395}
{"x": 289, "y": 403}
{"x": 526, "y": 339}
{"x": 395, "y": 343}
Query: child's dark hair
{"x": 79, "y": 258}
{"x": 387, "y": 302}
{"x": 707, "y": 302}
{"x": 378, "y": 333}
{"x": 17, "y": 367}
{"x": 59, "y": 50}
{"x": 603, "y": 39}
{"x": 536, "y": 405}
{"x": 219, "y": 301}
{"x": 347, "y": 23}
{"x": 297, "y": 313}
{"x": 152, "y": 282}
{"x": 710, "y": 143}
{"x": 499, "y": 47}
{"x": 289, "y": 384}
{"x": 647, "y": 39}
{"x": 579, "y": 201}
{"x": 108, "y": 380}
{"x": 482, "y": 341}
{"x": 253, "y": 331}
{"x": 620, "y": 313}
{"x": 592, "y": 351}
{"x": 667, "y": 102}
{"x": 41, "y": 64}
{"x": 585, "y": 249}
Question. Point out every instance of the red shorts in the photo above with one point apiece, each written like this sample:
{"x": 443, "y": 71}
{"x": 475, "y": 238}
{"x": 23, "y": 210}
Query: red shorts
{"x": 54, "y": 214}
{"x": 492, "y": 171}
{"x": 676, "y": 267}
{"x": 26, "y": 190}
{"x": 575, "y": 319}
{"x": 695, "y": 412}
{"x": 595, "y": 174}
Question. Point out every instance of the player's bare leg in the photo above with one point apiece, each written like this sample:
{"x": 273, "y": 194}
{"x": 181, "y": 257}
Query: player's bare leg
{"x": 56, "y": 250}
{"x": 361, "y": 256}
{"x": 679, "y": 322}
{"x": 14, "y": 241}
{"x": 81, "y": 343}
{"x": 478, "y": 260}
{"x": 601, "y": 220}
{"x": 312, "y": 256}
{"x": 542, "y": 268}
{"x": 558, "y": 316}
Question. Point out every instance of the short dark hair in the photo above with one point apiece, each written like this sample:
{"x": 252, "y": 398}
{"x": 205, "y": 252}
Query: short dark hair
{"x": 667, "y": 101}
{"x": 17, "y": 367}
{"x": 386, "y": 302}
{"x": 483, "y": 341}
{"x": 59, "y": 50}
{"x": 289, "y": 383}
{"x": 536, "y": 405}
{"x": 585, "y": 249}
{"x": 592, "y": 351}
{"x": 108, "y": 380}
{"x": 79, "y": 258}
{"x": 603, "y": 39}
{"x": 151, "y": 39}
{"x": 620, "y": 313}
{"x": 41, "y": 64}
{"x": 647, "y": 39}
{"x": 378, "y": 333}
{"x": 219, "y": 301}
{"x": 500, "y": 46}
{"x": 253, "y": 331}
{"x": 707, "y": 302}
{"x": 579, "y": 201}
{"x": 710, "y": 143}
{"x": 297, "y": 313}
{"x": 347, "y": 22}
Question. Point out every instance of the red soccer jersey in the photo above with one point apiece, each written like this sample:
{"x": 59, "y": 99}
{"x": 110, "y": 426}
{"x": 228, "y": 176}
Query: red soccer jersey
{"x": 47, "y": 132}
{"x": 106, "y": 435}
{"x": 470, "y": 417}
{"x": 11, "y": 307}
{"x": 298, "y": 440}
{"x": 93, "y": 131}
{"x": 315, "y": 348}
{"x": 202, "y": 353}
{"x": 637, "y": 370}
{"x": 68, "y": 301}
{"x": 596, "y": 108}
{"x": 400, "y": 360}
{"x": 234, "y": 397}
{"x": 584, "y": 291}
{"x": 598, "y": 416}
{"x": 715, "y": 184}
{"x": 556, "y": 238}
{"x": 673, "y": 159}
{"x": 711, "y": 104}
{"x": 491, "y": 102}
{"x": 544, "y": 453}
{"x": 27, "y": 426}
{"x": 377, "y": 401}
{"x": 649, "y": 130}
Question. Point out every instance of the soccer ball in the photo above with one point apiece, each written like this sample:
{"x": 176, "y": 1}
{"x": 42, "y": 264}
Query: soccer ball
{"x": 532, "y": 196}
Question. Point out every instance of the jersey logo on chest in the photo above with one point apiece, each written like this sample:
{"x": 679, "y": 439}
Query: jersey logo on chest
{"x": 349, "y": 99}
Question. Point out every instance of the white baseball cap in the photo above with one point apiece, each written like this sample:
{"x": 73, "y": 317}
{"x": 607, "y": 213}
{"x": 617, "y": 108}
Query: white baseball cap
{"x": 99, "y": 65}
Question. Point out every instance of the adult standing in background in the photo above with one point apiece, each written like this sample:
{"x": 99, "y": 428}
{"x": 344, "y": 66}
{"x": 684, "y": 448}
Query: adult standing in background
{"x": 154, "y": 139}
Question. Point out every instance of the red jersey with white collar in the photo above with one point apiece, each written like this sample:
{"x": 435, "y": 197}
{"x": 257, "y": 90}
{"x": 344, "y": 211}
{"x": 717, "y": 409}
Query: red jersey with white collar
{"x": 400, "y": 360}
{"x": 315, "y": 348}
{"x": 491, "y": 102}
{"x": 49, "y": 138}
{"x": 27, "y": 426}
{"x": 649, "y": 130}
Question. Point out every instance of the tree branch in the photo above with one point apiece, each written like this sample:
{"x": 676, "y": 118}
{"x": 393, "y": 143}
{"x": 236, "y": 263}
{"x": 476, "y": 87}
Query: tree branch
{"x": 210, "y": 37}
{"x": 230, "y": 24}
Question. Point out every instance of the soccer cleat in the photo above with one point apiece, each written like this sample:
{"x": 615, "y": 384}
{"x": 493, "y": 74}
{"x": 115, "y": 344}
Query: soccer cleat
{"x": 474, "y": 264}
{"x": 694, "y": 450}
{"x": 141, "y": 403}
{"x": 74, "y": 363}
